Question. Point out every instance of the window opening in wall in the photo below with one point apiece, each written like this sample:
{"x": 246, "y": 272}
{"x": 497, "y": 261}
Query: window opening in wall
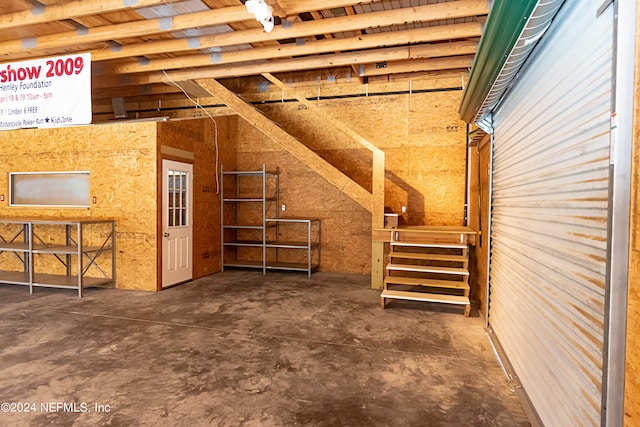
{"x": 49, "y": 189}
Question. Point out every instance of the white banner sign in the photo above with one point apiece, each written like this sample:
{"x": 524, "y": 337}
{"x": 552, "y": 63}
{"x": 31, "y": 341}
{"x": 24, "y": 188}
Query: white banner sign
{"x": 45, "y": 93}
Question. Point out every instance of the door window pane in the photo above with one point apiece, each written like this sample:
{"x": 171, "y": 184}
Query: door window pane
{"x": 177, "y": 198}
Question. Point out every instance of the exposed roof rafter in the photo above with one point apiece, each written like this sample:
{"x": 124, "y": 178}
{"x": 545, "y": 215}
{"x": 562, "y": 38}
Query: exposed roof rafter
{"x": 137, "y": 46}
{"x": 74, "y": 9}
{"x": 128, "y": 29}
{"x": 419, "y": 35}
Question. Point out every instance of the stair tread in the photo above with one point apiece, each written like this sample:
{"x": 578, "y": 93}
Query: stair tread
{"x": 428, "y": 269}
{"x": 431, "y": 245}
{"x": 422, "y": 296}
{"x": 428, "y": 257}
{"x": 413, "y": 281}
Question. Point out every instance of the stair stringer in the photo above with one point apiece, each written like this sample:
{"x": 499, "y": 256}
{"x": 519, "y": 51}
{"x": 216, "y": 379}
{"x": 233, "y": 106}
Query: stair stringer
{"x": 296, "y": 148}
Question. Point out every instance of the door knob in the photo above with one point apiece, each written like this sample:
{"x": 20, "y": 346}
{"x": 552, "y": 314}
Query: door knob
{"x": 166, "y": 234}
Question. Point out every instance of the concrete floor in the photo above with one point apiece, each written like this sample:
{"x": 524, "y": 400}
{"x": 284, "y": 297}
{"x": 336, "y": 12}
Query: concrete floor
{"x": 240, "y": 349}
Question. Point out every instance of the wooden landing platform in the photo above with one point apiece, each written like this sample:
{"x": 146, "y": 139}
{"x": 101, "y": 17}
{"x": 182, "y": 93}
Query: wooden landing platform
{"x": 418, "y": 233}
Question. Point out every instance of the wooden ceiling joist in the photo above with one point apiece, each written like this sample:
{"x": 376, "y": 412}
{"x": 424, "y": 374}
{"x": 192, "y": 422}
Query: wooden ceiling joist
{"x": 134, "y": 91}
{"x": 440, "y": 11}
{"x": 13, "y": 48}
{"x": 367, "y": 41}
{"x": 347, "y": 40}
{"x": 73, "y": 9}
{"x": 129, "y": 29}
{"x": 292, "y": 7}
{"x": 434, "y": 64}
{"x": 276, "y": 66}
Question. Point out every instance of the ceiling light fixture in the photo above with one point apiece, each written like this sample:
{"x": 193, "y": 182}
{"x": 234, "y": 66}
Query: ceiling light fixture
{"x": 263, "y": 13}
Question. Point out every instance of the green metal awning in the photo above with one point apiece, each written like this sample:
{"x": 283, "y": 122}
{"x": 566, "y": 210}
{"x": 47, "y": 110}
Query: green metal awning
{"x": 511, "y": 32}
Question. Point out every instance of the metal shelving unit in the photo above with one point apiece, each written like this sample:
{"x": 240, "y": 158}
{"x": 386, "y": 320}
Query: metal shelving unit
{"x": 70, "y": 242}
{"x": 310, "y": 245}
{"x": 237, "y": 234}
{"x": 263, "y": 191}
{"x": 16, "y": 240}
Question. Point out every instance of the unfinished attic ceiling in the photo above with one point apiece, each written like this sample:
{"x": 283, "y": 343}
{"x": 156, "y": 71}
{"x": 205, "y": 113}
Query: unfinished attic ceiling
{"x": 139, "y": 46}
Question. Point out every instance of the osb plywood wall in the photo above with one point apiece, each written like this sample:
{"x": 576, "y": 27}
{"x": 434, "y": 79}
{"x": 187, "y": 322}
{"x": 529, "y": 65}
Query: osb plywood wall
{"x": 202, "y": 138}
{"x": 345, "y": 225}
{"x": 479, "y": 220}
{"x": 632, "y": 374}
{"x": 121, "y": 159}
{"x": 425, "y": 147}
{"x": 421, "y": 135}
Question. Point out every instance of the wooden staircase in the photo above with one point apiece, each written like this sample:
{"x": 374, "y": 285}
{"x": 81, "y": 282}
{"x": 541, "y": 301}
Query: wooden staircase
{"x": 428, "y": 267}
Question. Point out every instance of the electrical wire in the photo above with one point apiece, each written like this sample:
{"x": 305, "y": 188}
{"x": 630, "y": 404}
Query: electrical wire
{"x": 215, "y": 127}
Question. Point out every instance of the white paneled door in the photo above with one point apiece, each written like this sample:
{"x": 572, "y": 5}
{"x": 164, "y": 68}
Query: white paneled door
{"x": 177, "y": 222}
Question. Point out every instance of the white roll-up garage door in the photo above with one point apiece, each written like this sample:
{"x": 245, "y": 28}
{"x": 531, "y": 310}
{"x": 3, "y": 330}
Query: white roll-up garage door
{"x": 549, "y": 217}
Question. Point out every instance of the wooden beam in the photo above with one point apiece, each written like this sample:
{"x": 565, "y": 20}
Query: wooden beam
{"x": 318, "y": 16}
{"x": 289, "y": 143}
{"x": 378, "y": 188}
{"x": 351, "y": 11}
{"x": 451, "y": 10}
{"x": 422, "y": 75}
{"x": 129, "y": 29}
{"x": 311, "y": 62}
{"x": 434, "y": 64}
{"x": 132, "y": 91}
{"x": 73, "y": 9}
{"x": 292, "y": 7}
{"x": 368, "y": 41}
{"x": 377, "y": 265}
{"x": 437, "y": 50}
